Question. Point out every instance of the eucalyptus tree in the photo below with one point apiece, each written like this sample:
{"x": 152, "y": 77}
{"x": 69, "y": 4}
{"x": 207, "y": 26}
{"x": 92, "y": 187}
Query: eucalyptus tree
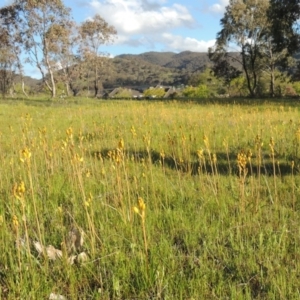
{"x": 246, "y": 24}
{"x": 6, "y": 62}
{"x": 10, "y": 47}
{"x": 95, "y": 33}
{"x": 284, "y": 16}
{"x": 40, "y": 21}
{"x": 64, "y": 52}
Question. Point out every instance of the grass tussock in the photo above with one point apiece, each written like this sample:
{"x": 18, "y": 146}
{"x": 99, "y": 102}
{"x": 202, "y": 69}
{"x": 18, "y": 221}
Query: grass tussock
{"x": 141, "y": 200}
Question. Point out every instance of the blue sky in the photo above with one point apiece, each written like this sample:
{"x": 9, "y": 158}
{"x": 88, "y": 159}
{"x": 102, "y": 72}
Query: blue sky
{"x": 154, "y": 25}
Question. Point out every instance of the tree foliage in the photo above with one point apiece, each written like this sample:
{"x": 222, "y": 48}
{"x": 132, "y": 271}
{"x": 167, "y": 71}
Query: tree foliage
{"x": 157, "y": 92}
{"x": 247, "y": 24}
{"x": 93, "y": 34}
{"x": 71, "y": 55}
{"x": 51, "y": 42}
{"x": 200, "y": 91}
{"x": 284, "y": 18}
{"x": 43, "y": 22}
{"x": 9, "y": 50}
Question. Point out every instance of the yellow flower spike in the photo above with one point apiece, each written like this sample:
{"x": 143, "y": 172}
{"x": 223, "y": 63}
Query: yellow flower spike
{"x": 249, "y": 155}
{"x": 200, "y": 153}
{"x": 133, "y": 132}
{"x": 42, "y": 130}
{"x": 147, "y": 140}
{"x": 77, "y": 158}
{"x": 28, "y": 117}
{"x": 15, "y": 191}
{"x": 69, "y": 132}
{"x": 242, "y": 160}
{"x": 15, "y": 221}
{"x": 136, "y": 210}
{"x": 140, "y": 209}
{"x": 141, "y": 204}
{"x": 25, "y": 155}
{"x": 64, "y": 145}
{"x": 214, "y": 158}
{"x": 87, "y": 174}
{"x": 121, "y": 144}
{"x": 90, "y": 198}
{"x": 21, "y": 188}
{"x": 205, "y": 140}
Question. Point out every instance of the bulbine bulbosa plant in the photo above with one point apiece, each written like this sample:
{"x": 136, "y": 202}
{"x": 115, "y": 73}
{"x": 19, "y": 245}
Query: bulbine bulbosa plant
{"x": 140, "y": 210}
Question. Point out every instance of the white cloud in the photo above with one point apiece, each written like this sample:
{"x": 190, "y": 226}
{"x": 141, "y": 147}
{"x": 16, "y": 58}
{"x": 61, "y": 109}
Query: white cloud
{"x": 219, "y": 8}
{"x": 180, "y": 43}
{"x": 165, "y": 42}
{"x": 150, "y": 24}
{"x": 142, "y": 16}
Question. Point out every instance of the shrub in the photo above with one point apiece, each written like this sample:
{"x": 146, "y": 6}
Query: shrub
{"x": 154, "y": 92}
{"x": 200, "y": 91}
{"x": 296, "y": 86}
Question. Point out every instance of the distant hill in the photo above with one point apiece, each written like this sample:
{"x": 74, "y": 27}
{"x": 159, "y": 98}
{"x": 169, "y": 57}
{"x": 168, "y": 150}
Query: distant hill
{"x": 191, "y": 61}
{"x": 147, "y": 69}
{"x": 152, "y": 68}
{"x": 29, "y": 81}
{"x": 156, "y": 58}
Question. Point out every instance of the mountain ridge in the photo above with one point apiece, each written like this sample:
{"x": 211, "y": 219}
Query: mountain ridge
{"x": 145, "y": 69}
{"x": 172, "y": 59}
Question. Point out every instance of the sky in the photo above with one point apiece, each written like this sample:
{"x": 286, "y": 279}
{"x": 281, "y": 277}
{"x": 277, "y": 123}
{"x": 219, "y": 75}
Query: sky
{"x": 154, "y": 25}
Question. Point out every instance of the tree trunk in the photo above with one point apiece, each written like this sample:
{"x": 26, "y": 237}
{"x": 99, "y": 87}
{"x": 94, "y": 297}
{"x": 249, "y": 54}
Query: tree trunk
{"x": 53, "y": 91}
{"x": 249, "y": 83}
{"x": 43, "y": 76}
{"x": 272, "y": 73}
{"x": 23, "y": 88}
{"x": 251, "y": 78}
{"x": 20, "y": 68}
{"x": 67, "y": 88}
{"x": 52, "y": 86}
{"x": 73, "y": 89}
{"x": 96, "y": 88}
{"x": 67, "y": 80}
{"x": 272, "y": 83}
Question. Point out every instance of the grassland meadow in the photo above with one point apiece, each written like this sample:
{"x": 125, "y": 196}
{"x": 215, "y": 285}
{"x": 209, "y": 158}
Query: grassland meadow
{"x": 149, "y": 199}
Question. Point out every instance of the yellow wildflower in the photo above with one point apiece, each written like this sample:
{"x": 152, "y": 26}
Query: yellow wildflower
{"x": 25, "y": 155}
{"x": 15, "y": 222}
{"x": 121, "y": 144}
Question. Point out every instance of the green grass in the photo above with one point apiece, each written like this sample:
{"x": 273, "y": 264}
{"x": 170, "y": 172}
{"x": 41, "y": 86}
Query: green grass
{"x": 212, "y": 229}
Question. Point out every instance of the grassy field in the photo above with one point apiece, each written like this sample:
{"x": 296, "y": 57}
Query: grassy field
{"x": 149, "y": 200}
